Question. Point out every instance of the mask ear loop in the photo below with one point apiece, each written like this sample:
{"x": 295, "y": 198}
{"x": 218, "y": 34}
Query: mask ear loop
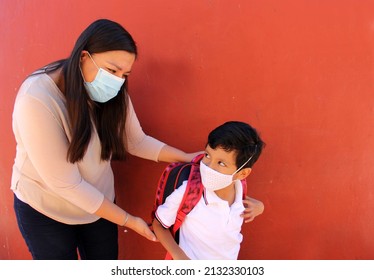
{"x": 93, "y": 60}
{"x": 246, "y": 161}
{"x": 80, "y": 68}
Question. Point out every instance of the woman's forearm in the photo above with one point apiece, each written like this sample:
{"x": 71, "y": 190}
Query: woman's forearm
{"x": 171, "y": 154}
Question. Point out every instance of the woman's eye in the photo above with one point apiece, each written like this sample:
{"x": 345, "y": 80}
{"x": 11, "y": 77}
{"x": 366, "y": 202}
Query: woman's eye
{"x": 111, "y": 70}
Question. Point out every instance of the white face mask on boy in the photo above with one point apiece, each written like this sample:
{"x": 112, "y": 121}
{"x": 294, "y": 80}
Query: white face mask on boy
{"x": 104, "y": 87}
{"x": 214, "y": 180}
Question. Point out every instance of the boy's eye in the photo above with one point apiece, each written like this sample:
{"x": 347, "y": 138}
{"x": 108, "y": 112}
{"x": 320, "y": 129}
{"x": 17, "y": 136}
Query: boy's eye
{"x": 222, "y": 163}
{"x": 207, "y": 155}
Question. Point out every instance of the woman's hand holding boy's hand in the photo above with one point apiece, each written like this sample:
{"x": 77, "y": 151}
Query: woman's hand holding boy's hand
{"x": 138, "y": 225}
{"x": 253, "y": 208}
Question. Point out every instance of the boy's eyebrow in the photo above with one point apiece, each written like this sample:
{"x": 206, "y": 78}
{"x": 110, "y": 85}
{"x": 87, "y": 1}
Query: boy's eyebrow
{"x": 220, "y": 159}
{"x": 229, "y": 162}
{"x": 226, "y": 161}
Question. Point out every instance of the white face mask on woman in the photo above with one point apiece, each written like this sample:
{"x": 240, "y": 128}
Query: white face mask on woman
{"x": 104, "y": 87}
{"x": 214, "y": 180}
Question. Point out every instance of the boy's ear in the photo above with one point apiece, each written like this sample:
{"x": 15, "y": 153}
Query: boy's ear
{"x": 244, "y": 173}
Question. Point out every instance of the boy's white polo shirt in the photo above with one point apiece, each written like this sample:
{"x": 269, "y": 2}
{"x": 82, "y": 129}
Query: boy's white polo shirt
{"x": 212, "y": 229}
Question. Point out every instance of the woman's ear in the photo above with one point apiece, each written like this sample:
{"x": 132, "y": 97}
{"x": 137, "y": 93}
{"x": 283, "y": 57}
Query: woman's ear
{"x": 244, "y": 173}
{"x": 83, "y": 55}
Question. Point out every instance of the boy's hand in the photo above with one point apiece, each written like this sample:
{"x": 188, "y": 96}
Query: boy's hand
{"x": 253, "y": 208}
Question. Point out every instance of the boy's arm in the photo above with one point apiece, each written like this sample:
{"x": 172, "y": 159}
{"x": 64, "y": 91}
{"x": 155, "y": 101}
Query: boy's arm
{"x": 253, "y": 208}
{"x": 166, "y": 239}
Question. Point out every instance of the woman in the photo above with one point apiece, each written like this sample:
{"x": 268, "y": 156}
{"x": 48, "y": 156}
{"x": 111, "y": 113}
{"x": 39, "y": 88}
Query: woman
{"x": 70, "y": 119}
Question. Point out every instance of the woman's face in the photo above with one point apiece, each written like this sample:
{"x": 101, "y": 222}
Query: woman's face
{"x": 118, "y": 63}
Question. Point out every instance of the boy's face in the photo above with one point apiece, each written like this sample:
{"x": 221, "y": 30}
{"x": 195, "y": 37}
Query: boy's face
{"x": 220, "y": 160}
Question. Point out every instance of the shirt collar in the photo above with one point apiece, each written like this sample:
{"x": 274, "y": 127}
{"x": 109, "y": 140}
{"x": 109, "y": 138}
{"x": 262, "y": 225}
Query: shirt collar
{"x": 211, "y": 197}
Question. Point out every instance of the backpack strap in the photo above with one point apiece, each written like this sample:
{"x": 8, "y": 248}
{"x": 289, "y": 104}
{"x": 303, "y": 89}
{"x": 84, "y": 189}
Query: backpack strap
{"x": 192, "y": 195}
{"x": 164, "y": 189}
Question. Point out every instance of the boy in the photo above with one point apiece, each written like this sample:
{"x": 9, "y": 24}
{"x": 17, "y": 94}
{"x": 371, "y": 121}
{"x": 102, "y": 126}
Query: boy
{"x": 212, "y": 229}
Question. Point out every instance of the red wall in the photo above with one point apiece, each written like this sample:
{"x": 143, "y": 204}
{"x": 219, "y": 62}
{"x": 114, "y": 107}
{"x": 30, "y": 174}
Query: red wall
{"x": 300, "y": 71}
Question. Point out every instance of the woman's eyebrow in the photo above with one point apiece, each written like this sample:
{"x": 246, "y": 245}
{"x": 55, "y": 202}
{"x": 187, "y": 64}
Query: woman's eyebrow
{"x": 118, "y": 67}
{"x": 115, "y": 65}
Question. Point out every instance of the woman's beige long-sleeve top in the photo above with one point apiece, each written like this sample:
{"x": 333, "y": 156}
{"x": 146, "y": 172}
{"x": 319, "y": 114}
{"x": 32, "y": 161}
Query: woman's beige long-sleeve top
{"x": 42, "y": 176}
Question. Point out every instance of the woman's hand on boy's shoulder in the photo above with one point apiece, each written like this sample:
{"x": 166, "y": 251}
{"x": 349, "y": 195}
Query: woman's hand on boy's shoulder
{"x": 253, "y": 208}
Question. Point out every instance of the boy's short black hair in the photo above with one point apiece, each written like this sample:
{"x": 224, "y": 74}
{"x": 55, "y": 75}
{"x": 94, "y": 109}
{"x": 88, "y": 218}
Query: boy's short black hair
{"x": 239, "y": 137}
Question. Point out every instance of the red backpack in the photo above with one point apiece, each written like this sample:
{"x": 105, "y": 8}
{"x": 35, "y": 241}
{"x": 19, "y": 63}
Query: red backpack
{"x": 171, "y": 179}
